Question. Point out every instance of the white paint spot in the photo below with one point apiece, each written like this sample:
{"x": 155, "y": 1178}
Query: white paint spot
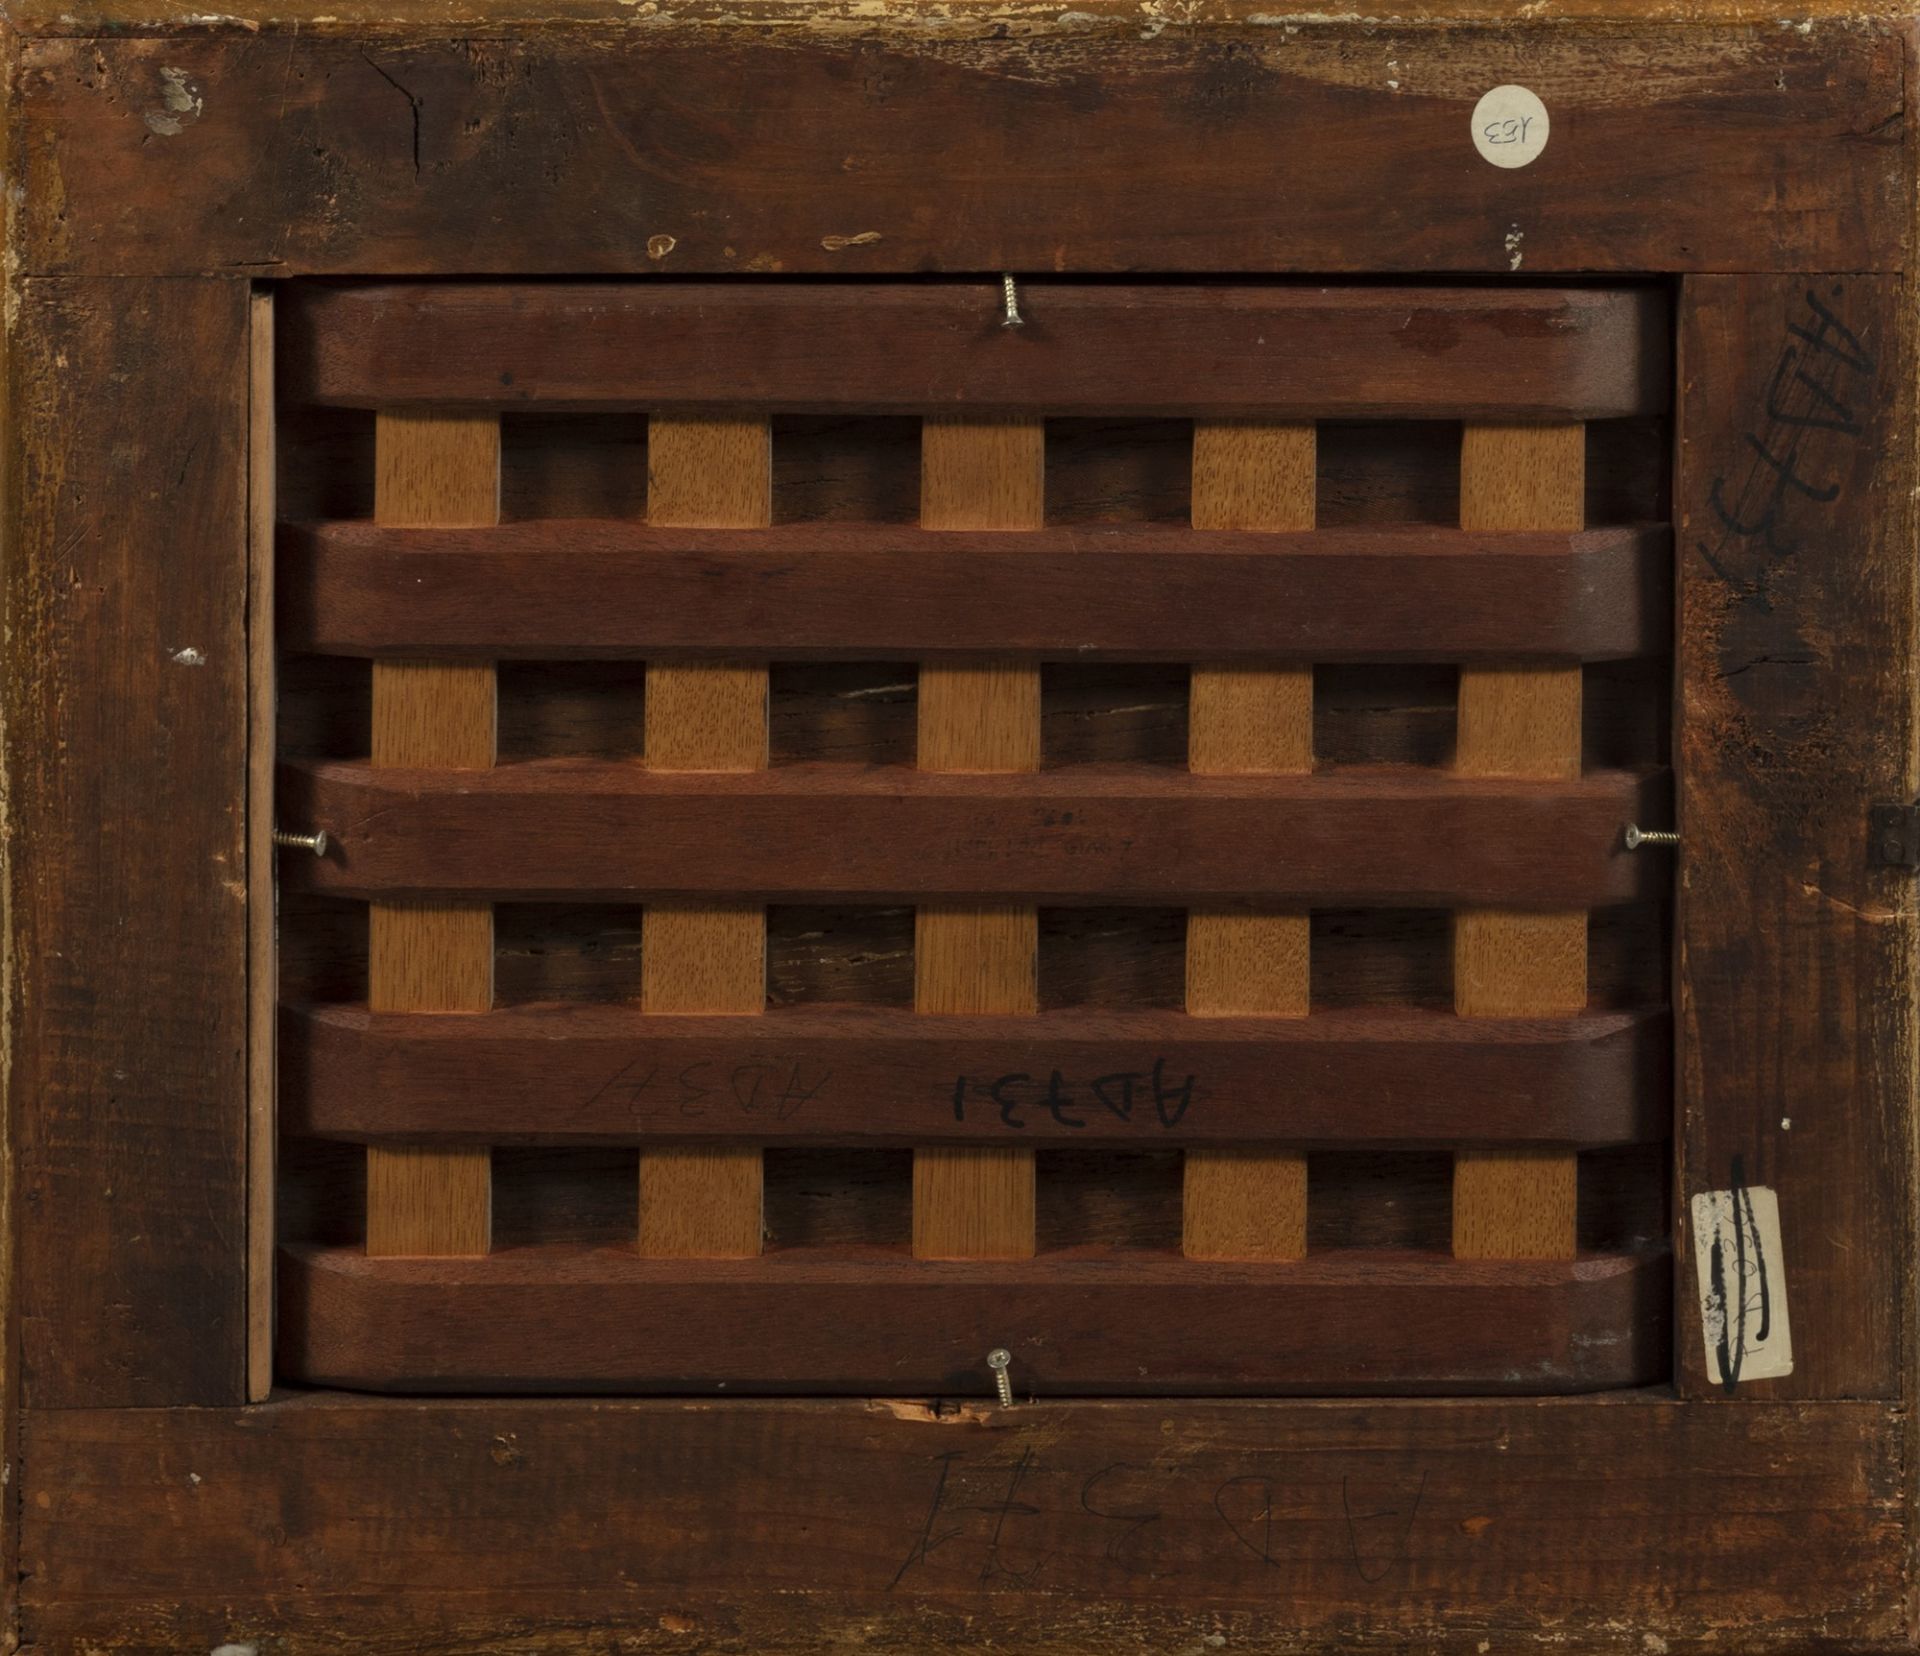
{"x": 1653, "y": 1644}
{"x": 1510, "y": 126}
{"x": 194, "y": 1479}
{"x": 180, "y": 104}
{"x": 833, "y": 244}
{"x": 235, "y": 1650}
{"x": 1786, "y": 1124}
{"x": 658, "y": 247}
{"x": 1515, "y": 237}
{"x": 189, "y": 657}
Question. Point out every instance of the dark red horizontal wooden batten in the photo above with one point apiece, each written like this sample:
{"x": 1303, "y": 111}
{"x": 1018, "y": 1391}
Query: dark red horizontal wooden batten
{"x": 1117, "y": 1323}
{"x": 589, "y": 828}
{"x": 558, "y": 589}
{"x": 560, "y": 1074}
{"x": 883, "y": 348}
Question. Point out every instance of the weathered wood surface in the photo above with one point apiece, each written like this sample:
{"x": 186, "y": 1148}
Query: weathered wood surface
{"x": 592, "y": 19}
{"x": 326, "y": 1525}
{"x": 1796, "y": 714}
{"x": 565, "y": 590}
{"x": 583, "y": 828}
{"x": 1731, "y": 147}
{"x": 809, "y": 1320}
{"x": 581, "y": 1073}
{"x": 126, "y": 701}
{"x": 1176, "y": 349}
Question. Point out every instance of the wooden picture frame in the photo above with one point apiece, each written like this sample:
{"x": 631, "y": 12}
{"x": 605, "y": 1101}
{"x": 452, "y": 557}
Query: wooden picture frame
{"x": 164, "y": 169}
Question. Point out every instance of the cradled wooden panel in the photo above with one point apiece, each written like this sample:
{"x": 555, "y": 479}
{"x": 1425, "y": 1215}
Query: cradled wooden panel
{"x": 1796, "y": 714}
{"x": 822, "y": 1320}
{"x": 584, "y": 1073}
{"x": 1051, "y": 144}
{"x": 698, "y": 1201}
{"x": 982, "y": 715}
{"x": 558, "y": 590}
{"x": 432, "y": 956}
{"x": 1129, "y": 1524}
{"x": 1519, "y": 719}
{"x": 1300, "y": 352}
{"x": 1241, "y": 1202}
{"x": 584, "y": 828}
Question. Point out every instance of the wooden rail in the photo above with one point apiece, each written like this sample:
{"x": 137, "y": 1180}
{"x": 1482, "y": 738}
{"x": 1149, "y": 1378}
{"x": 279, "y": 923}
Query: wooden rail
{"x": 822, "y": 1320}
{"x": 1136, "y": 834}
{"x": 574, "y": 1073}
{"x": 872, "y": 592}
{"x": 1193, "y": 350}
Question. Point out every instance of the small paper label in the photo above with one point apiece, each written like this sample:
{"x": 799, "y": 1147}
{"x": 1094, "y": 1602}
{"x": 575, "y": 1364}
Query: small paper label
{"x": 1510, "y": 126}
{"x": 1742, "y": 1278}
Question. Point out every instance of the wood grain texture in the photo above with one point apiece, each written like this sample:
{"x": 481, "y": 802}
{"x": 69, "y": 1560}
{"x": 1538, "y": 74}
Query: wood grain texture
{"x": 1795, "y": 713}
{"x": 1642, "y": 1511}
{"x": 310, "y": 169}
{"x": 558, "y": 1073}
{"x": 1249, "y": 1204}
{"x": 977, "y": 716}
{"x": 126, "y": 681}
{"x": 1077, "y": 1322}
{"x": 1519, "y": 721}
{"x": 704, "y": 1201}
{"x": 263, "y": 969}
{"x": 1218, "y": 350}
{"x": 1132, "y": 833}
{"x": 582, "y": 19}
{"x": 437, "y": 956}
{"x": 571, "y": 589}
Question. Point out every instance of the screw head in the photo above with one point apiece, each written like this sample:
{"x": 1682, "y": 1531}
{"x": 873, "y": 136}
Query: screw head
{"x": 999, "y": 1358}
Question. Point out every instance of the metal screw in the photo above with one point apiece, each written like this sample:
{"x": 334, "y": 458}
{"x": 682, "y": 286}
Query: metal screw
{"x": 1012, "y": 317}
{"x": 316, "y": 842}
{"x": 1638, "y": 836}
{"x": 1000, "y": 1360}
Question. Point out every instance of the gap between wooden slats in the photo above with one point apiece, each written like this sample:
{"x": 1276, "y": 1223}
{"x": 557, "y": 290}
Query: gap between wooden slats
{"x": 432, "y": 957}
{"x": 1249, "y": 1204}
{"x": 978, "y": 716}
{"x": 700, "y": 1201}
{"x": 1519, "y": 721}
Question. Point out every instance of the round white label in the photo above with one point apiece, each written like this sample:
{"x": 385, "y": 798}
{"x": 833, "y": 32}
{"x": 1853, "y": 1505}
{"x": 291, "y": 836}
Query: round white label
{"x": 1510, "y": 126}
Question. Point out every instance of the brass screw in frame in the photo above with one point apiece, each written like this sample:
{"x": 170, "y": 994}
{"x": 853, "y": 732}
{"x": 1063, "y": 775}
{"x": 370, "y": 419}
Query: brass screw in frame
{"x": 1638, "y": 836}
{"x": 1011, "y": 318}
{"x": 1000, "y": 1360}
{"x": 316, "y": 842}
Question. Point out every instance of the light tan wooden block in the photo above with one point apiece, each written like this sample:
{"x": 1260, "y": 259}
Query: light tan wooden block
{"x": 1519, "y": 721}
{"x": 701, "y": 1201}
{"x": 432, "y": 470}
{"x": 978, "y": 716}
{"x": 1249, "y": 1204}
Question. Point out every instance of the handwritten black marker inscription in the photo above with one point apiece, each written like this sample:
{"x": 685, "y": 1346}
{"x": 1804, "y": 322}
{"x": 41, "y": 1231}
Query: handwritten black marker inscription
{"x": 777, "y": 1087}
{"x": 1739, "y": 1301}
{"x": 1015, "y": 1098}
{"x": 1821, "y": 374}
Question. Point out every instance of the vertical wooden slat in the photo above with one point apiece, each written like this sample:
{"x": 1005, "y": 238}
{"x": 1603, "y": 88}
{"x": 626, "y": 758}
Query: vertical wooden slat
{"x": 698, "y": 1201}
{"x": 1249, "y": 1204}
{"x": 1519, "y": 721}
{"x": 978, "y": 716}
{"x": 263, "y": 985}
{"x": 432, "y": 469}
